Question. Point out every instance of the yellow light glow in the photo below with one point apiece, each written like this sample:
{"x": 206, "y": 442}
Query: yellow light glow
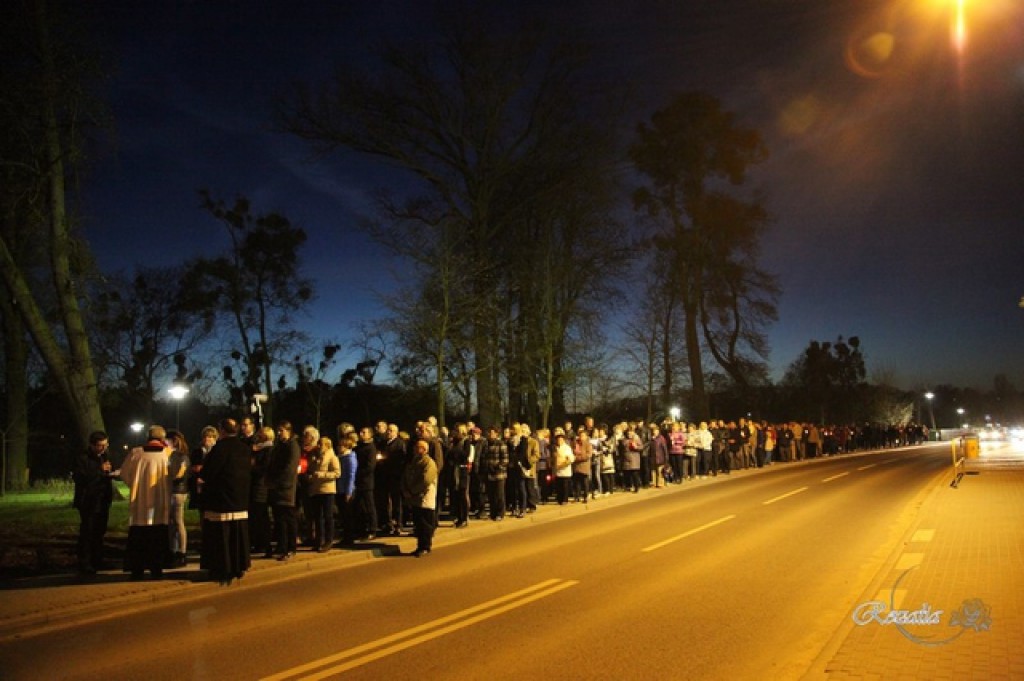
{"x": 960, "y": 28}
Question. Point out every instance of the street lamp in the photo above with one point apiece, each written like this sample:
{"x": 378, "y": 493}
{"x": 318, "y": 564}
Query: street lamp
{"x": 136, "y": 427}
{"x": 960, "y": 412}
{"x": 931, "y": 414}
{"x": 178, "y": 391}
{"x": 675, "y": 413}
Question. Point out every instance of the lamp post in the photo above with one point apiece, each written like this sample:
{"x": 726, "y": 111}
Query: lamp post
{"x": 960, "y": 412}
{"x": 931, "y": 414}
{"x": 178, "y": 391}
{"x": 675, "y": 413}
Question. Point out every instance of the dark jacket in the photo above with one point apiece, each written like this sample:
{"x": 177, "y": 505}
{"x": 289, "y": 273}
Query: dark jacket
{"x": 516, "y": 458}
{"x": 226, "y": 472}
{"x": 392, "y": 464}
{"x": 366, "y": 458}
{"x": 657, "y": 450}
{"x": 258, "y": 476}
{"x": 283, "y": 473}
{"x": 93, "y": 487}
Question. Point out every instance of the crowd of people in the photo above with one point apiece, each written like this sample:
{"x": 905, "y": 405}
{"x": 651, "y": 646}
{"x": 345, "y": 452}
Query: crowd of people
{"x": 267, "y": 491}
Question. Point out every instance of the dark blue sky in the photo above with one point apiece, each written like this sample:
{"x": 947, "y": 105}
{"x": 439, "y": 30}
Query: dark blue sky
{"x": 895, "y": 179}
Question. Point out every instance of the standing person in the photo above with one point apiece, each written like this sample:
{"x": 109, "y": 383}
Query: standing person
{"x": 149, "y": 505}
{"x": 733, "y": 448}
{"x": 177, "y": 477}
{"x": 597, "y": 445}
{"x": 644, "y": 434}
{"x": 310, "y": 443}
{"x": 380, "y": 435}
{"x": 705, "y": 448}
{"x": 607, "y": 460}
{"x": 786, "y": 442}
{"x": 388, "y": 480}
{"x": 545, "y": 473}
{"x": 812, "y": 441}
{"x": 797, "y": 442}
{"x": 477, "y": 477}
{"x": 346, "y": 486}
{"x": 366, "y": 507}
{"x": 746, "y": 445}
{"x": 677, "y": 451}
{"x": 561, "y": 462}
{"x": 581, "y": 451}
{"x": 282, "y": 480}
{"x": 515, "y": 485}
{"x": 259, "y": 509}
{"x": 463, "y": 452}
{"x": 207, "y": 439}
{"x": 494, "y": 465}
{"x": 248, "y": 433}
{"x": 754, "y": 441}
{"x": 324, "y": 471}
{"x": 419, "y": 489}
{"x": 657, "y": 452}
{"x": 692, "y": 445}
{"x": 93, "y": 475}
{"x": 448, "y": 477}
{"x": 428, "y": 431}
{"x": 632, "y": 447}
{"x": 533, "y": 459}
{"x": 226, "y": 483}
{"x": 769, "y": 442}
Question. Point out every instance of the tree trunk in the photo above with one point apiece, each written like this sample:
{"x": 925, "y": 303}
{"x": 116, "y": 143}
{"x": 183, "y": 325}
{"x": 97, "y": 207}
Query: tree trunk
{"x": 15, "y": 433}
{"x": 439, "y": 375}
{"x": 487, "y": 398}
{"x": 698, "y": 396}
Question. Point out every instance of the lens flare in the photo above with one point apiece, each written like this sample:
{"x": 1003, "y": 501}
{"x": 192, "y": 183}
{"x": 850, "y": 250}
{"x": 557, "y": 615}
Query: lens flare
{"x": 869, "y": 56}
{"x": 960, "y": 28}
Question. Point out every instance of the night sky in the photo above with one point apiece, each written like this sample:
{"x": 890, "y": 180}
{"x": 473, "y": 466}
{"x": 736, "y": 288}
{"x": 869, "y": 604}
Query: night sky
{"x": 896, "y": 175}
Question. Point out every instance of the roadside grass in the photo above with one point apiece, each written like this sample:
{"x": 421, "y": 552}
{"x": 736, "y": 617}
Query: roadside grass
{"x": 39, "y": 531}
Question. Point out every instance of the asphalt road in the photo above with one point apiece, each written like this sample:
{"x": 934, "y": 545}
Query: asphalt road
{"x": 741, "y": 578}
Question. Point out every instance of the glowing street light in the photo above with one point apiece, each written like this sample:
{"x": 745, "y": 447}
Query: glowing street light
{"x": 675, "y": 413}
{"x": 178, "y": 391}
{"x": 931, "y": 414}
{"x": 959, "y": 28}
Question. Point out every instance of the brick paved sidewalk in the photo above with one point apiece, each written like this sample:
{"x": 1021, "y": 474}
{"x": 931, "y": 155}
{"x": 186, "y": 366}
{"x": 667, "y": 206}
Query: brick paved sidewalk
{"x": 967, "y": 544}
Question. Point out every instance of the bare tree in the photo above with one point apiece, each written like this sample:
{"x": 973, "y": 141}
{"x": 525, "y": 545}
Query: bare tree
{"x": 255, "y": 289}
{"x": 485, "y": 120}
{"x": 142, "y": 332}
